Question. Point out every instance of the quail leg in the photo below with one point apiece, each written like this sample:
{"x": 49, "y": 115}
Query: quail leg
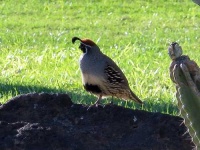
{"x": 111, "y": 102}
{"x": 98, "y": 100}
{"x": 96, "y": 103}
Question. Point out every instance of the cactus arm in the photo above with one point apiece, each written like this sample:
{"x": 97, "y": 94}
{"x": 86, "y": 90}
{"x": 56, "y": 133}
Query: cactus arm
{"x": 188, "y": 101}
{"x": 190, "y": 82}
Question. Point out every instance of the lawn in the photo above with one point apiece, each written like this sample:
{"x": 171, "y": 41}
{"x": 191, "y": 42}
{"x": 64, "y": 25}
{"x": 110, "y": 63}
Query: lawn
{"x": 37, "y": 54}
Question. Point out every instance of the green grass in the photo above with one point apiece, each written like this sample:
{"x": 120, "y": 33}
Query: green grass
{"x": 37, "y": 54}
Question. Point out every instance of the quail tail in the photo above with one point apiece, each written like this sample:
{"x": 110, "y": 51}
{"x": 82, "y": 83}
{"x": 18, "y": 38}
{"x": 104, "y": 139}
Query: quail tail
{"x": 135, "y": 98}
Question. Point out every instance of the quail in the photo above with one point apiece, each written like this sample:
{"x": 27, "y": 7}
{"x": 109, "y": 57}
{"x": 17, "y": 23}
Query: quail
{"x": 100, "y": 74}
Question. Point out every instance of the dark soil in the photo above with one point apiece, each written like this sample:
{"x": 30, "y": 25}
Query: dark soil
{"x": 53, "y": 122}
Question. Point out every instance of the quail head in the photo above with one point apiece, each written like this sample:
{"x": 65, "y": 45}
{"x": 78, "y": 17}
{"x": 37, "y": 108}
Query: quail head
{"x": 100, "y": 74}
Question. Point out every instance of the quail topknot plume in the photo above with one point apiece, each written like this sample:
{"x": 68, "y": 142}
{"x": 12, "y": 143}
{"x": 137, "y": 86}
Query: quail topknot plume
{"x": 100, "y": 74}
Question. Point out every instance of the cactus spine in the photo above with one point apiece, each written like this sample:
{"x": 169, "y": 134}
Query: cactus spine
{"x": 188, "y": 101}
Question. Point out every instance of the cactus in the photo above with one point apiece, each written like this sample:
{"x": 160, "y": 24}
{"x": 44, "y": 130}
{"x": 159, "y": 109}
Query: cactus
{"x": 185, "y": 73}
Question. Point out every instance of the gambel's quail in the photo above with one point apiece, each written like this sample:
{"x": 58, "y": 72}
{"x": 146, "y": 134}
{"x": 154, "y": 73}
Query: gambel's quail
{"x": 100, "y": 74}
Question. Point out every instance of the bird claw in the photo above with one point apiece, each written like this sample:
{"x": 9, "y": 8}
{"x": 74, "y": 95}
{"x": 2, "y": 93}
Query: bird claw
{"x": 95, "y": 105}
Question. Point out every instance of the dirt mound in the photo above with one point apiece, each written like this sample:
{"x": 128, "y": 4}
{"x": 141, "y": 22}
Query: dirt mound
{"x": 52, "y": 121}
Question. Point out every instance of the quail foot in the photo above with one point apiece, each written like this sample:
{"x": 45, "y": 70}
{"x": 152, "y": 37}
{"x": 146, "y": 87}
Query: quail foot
{"x": 100, "y": 74}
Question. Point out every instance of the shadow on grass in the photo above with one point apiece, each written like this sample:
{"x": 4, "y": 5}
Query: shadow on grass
{"x": 7, "y": 90}
{"x": 15, "y": 89}
{"x": 150, "y": 105}
{"x": 86, "y": 98}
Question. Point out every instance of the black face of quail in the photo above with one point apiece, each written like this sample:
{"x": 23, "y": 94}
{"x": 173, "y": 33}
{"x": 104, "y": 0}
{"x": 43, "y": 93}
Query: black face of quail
{"x": 83, "y": 48}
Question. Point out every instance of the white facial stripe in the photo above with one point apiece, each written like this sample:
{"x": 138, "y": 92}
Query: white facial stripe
{"x": 86, "y": 45}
